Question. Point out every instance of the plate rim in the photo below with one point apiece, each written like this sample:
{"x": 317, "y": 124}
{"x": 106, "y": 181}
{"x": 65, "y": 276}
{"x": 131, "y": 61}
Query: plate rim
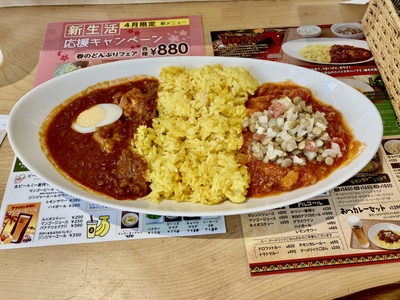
{"x": 365, "y": 86}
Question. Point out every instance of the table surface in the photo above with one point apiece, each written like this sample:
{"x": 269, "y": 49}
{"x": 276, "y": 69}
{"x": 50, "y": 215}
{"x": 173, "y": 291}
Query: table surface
{"x": 200, "y": 267}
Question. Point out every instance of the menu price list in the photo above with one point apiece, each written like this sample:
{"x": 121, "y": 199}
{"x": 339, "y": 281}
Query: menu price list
{"x": 318, "y": 232}
{"x": 290, "y": 231}
{"x": 35, "y": 213}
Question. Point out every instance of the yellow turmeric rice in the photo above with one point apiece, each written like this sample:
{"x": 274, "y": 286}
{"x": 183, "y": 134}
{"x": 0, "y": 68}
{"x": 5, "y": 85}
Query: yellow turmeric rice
{"x": 191, "y": 148}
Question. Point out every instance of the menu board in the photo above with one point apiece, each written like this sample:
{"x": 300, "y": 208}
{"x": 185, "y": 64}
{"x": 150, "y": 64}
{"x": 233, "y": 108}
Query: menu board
{"x": 338, "y": 228}
{"x": 34, "y": 213}
{"x": 70, "y": 46}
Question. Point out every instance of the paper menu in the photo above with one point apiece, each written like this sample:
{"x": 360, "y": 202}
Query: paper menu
{"x": 57, "y": 218}
{"x": 33, "y": 213}
{"x": 315, "y": 233}
{"x": 70, "y": 46}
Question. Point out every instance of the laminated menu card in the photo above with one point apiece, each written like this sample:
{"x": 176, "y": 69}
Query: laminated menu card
{"x": 346, "y": 226}
{"x": 34, "y": 213}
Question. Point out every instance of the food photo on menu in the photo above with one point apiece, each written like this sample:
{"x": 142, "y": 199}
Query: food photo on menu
{"x": 339, "y": 50}
{"x": 334, "y": 45}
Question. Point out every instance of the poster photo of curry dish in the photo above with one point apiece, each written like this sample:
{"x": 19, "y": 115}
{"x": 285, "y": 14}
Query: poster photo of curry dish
{"x": 309, "y": 46}
{"x": 337, "y": 44}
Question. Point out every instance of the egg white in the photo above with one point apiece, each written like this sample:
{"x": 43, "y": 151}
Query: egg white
{"x": 112, "y": 112}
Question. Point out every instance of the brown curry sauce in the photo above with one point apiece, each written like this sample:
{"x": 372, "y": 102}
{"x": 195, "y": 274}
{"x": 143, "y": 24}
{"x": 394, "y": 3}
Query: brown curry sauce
{"x": 103, "y": 161}
{"x": 348, "y": 54}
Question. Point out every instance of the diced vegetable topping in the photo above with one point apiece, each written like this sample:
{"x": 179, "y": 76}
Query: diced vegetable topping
{"x": 290, "y": 132}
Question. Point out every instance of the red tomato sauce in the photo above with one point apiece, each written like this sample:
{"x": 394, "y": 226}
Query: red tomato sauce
{"x": 271, "y": 178}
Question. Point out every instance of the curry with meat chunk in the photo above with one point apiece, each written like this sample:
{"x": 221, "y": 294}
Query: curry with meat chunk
{"x": 338, "y": 54}
{"x": 348, "y": 54}
{"x": 102, "y": 160}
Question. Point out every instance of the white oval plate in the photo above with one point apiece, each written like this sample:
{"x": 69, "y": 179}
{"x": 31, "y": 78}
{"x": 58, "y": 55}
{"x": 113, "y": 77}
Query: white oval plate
{"x": 31, "y": 110}
{"x": 374, "y": 229}
{"x": 293, "y": 47}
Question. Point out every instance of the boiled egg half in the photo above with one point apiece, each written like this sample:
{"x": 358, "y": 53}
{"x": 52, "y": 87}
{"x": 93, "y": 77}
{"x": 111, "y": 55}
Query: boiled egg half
{"x": 96, "y": 116}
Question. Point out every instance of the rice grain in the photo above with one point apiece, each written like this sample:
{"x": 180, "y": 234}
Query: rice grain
{"x": 192, "y": 146}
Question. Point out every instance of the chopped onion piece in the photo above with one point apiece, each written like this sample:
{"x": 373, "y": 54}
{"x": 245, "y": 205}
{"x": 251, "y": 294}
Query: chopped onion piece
{"x": 295, "y": 137}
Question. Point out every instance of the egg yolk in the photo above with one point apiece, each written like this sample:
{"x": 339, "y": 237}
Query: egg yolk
{"x": 91, "y": 116}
